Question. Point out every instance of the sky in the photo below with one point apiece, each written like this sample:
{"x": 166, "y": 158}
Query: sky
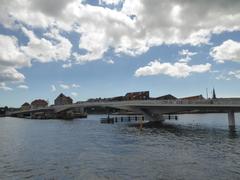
{"x": 105, "y": 48}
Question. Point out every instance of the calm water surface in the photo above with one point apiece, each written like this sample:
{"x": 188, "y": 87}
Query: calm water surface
{"x": 194, "y": 147}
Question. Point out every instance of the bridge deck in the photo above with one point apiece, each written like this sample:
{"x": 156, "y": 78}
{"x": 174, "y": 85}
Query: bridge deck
{"x": 217, "y": 104}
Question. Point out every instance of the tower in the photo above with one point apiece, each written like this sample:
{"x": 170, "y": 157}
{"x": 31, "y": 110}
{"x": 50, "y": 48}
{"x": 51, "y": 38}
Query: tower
{"x": 214, "y": 94}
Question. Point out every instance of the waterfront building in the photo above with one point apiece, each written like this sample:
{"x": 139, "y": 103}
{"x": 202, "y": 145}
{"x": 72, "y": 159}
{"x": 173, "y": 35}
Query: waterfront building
{"x": 26, "y": 106}
{"x": 3, "y": 111}
{"x": 39, "y": 103}
{"x": 95, "y": 99}
{"x": 143, "y": 95}
{"x": 117, "y": 98}
{"x": 63, "y": 100}
{"x": 193, "y": 98}
{"x": 166, "y": 97}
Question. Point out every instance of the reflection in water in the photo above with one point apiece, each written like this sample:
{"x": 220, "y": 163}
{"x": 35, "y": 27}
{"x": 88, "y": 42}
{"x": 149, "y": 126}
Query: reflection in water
{"x": 232, "y": 133}
{"x": 195, "y": 147}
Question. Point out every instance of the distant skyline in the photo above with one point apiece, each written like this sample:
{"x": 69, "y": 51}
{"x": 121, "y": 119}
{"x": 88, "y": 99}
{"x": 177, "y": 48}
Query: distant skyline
{"x": 105, "y": 48}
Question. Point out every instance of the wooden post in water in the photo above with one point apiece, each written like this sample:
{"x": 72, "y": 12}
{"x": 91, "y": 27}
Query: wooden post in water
{"x": 231, "y": 120}
{"x": 141, "y": 123}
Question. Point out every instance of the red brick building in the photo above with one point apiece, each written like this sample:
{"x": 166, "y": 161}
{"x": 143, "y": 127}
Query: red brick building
{"x": 166, "y": 97}
{"x": 193, "y": 98}
{"x": 143, "y": 95}
{"x": 39, "y": 103}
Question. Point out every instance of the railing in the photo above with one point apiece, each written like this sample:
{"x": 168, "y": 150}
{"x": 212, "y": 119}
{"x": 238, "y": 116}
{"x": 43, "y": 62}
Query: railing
{"x": 220, "y": 101}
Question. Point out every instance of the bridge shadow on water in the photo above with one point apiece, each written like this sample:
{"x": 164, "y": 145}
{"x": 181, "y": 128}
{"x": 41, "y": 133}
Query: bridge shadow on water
{"x": 188, "y": 130}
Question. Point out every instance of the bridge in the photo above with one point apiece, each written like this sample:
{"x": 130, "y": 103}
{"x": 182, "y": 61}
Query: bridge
{"x": 153, "y": 110}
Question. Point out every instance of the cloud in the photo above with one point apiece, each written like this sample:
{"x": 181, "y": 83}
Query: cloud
{"x": 44, "y": 50}
{"x": 235, "y": 74}
{"x": 53, "y": 88}
{"x": 187, "y": 55}
{"x": 10, "y": 54}
{"x": 139, "y": 25}
{"x": 131, "y": 29}
{"x": 74, "y": 94}
{"x": 68, "y": 65}
{"x": 109, "y": 61}
{"x": 75, "y": 85}
{"x": 64, "y": 86}
{"x": 223, "y": 77}
{"x": 11, "y": 58}
{"x": 69, "y": 86}
{"x": 183, "y": 22}
{"x": 52, "y": 8}
{"x": 10, "y": 74}
{"x": 22, "y": 86}
{"x": 110, "y": 2}
{"x": 228, "y": 51}
{"x": 22, "y": 11}
{"x": 186, "y": 52}
{"x": 179, "y": 70}
{"x": 229, "y": 76}
{"x": 4, "y": 87}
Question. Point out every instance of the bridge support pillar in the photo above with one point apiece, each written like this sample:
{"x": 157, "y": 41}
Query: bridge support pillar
{"x": 231, "y": 120}
{"x": 151, "y": 116}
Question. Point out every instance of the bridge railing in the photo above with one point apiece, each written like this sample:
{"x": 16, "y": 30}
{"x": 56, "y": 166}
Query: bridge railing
{"x": 220, "y": 101}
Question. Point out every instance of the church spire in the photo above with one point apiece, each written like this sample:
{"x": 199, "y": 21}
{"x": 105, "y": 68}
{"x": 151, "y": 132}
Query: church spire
{"x": 214, "y": 94}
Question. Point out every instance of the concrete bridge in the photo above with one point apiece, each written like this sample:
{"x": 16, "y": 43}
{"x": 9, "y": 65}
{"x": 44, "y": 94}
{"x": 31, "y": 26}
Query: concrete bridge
{"x": 153, "y": 110}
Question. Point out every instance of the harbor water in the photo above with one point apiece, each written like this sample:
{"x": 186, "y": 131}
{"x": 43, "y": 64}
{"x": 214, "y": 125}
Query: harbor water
{"x": 196, "y": 146}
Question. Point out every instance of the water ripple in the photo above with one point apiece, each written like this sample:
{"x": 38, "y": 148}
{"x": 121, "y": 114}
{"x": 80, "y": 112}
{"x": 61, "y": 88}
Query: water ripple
{"x": 86, "y": 149}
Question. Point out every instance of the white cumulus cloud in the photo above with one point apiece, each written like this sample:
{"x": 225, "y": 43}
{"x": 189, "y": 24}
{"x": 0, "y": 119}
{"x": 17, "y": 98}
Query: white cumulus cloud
{"x": 69, "y": 86}
{"x": 228, "y": 51}
{"x": 10, "y": 74}
{"x": 186, "y": 52}
{"x": 187, "y": 55}
{"x": 178, "y": 69}
{"x": 131, "y": 29}
{"x": 235, "y": 74}
{"x": 11, "y": 59}
{"x": 109, "y": 61}
{"x": 4, "y": 87}
{"x": 64, "y": 86}
{"x": 10, "y": 54}
{"x": 68, "y": 65}
{"x": 75, "y": 85}
{"x": 44, "y": 50}
{"x": 23, "y": 86}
